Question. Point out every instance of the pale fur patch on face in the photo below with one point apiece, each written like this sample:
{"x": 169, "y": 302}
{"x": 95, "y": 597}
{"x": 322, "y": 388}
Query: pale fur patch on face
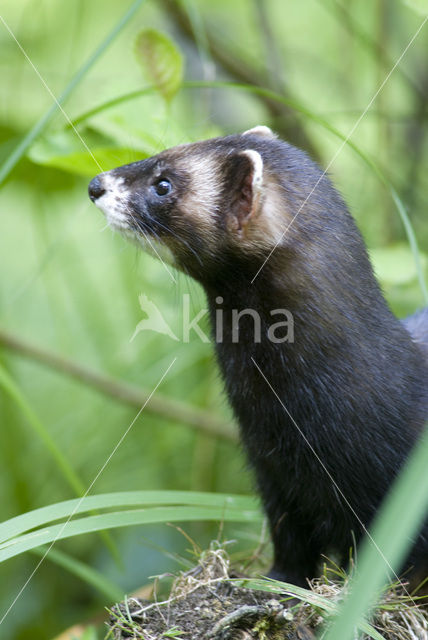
{"x": 274, "y": 217}
{"x": 201, "y": 201}
{"x": 113, "y": 203}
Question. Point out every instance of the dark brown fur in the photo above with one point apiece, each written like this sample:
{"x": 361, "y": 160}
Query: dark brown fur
{"x": 327, "y": 420}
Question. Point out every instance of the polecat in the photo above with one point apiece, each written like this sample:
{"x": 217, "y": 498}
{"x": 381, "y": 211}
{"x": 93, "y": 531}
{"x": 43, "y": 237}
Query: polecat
{"x": 328, "y": 418}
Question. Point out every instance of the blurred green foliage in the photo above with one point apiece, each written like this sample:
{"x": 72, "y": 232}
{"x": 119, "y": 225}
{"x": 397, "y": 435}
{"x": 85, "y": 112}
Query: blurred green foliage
{"x": 70, "y": 288}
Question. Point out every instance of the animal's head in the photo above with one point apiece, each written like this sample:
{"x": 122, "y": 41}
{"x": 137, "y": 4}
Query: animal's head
{"x": 214, "y": 207}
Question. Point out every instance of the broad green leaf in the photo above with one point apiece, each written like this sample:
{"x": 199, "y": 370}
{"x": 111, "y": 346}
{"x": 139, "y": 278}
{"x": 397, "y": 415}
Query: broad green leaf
{"x": 395, "y": 264}
{"x": 161, "y": 61}
{"x": 64, "y": 150}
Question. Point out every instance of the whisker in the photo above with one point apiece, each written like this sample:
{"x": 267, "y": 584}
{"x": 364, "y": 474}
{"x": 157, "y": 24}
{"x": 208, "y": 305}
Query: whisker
{"x": 186, "y": 244}
{"x": 140, "y": 225}
{"x": 146, "y": 230}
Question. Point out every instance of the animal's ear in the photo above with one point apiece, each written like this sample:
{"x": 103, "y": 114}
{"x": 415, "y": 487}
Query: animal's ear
{"x": 244, "y": 184}
{"x": 260, "y": 130}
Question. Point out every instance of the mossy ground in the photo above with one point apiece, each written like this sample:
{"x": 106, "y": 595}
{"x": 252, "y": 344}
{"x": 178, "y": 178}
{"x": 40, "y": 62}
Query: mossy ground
{"x": 206, "y": 603}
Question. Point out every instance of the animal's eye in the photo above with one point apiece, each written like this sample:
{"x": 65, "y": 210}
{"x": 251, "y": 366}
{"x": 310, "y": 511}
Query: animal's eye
{"x": 163, "y": 187}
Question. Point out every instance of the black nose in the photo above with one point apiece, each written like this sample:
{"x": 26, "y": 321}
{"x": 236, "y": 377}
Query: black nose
{"x": 95, "y": 189}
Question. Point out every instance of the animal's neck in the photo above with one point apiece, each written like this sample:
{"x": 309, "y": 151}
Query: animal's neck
{"x": 345, "y": 359}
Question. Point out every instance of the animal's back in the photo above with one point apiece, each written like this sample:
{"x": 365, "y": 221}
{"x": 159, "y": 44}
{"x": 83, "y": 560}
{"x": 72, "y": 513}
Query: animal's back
{"x": 417, "y": 326}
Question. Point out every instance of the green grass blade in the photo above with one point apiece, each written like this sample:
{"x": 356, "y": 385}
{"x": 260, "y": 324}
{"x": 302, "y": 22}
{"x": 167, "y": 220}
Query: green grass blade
{"x": 118, "y": 519}
{"x": 275, "y": 586}
{"x": 36, "y": 130}
{"x": 44, "y": 515}
{"x": 328, "y": 606}
{"x": 65, "y": 468}
{"x": 402, "y": 515}
{"x": 9, "y": 386}
{"x": 89, "y": 575}
{"x": 110, "y": 104}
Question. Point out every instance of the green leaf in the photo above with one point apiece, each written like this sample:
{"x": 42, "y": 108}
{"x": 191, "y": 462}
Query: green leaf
{"x": 161, "y": 61}
{"x": 65, "y": 151}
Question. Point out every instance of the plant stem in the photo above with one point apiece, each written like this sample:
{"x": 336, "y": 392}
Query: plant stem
{"x": 129, "y": 394}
